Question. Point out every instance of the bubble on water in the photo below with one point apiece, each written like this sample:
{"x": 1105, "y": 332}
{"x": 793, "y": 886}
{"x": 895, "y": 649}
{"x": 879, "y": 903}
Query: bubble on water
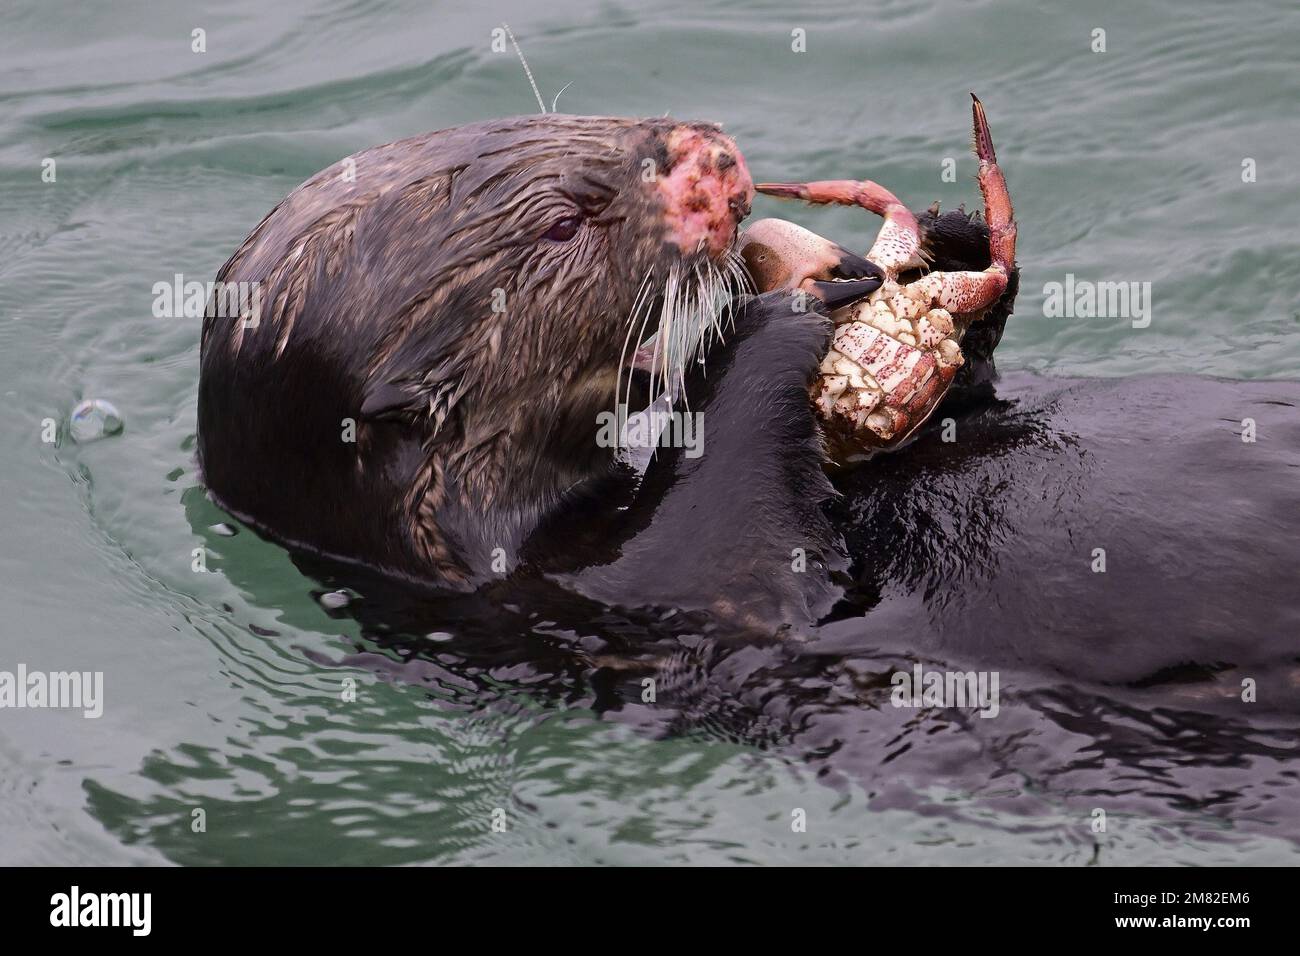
{"x": 335, "y": 600}
{"x": 223, "y": 529}
{"x": 93, "y": 419}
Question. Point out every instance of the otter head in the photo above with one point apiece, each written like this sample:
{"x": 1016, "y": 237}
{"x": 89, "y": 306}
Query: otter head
{"x": 558, "y": 245}
{"x": 471, "y": 298}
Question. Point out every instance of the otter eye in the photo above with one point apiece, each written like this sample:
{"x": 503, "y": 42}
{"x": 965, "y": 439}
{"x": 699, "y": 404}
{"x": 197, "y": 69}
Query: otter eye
{"x": 564, "y": 230}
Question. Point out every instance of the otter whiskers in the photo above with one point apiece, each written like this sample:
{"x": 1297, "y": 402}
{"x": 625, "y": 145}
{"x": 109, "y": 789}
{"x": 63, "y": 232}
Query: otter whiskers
{"x": 696, "y": 299}
{"x": 639, "y": 305}
{"x": 688, "y": 312}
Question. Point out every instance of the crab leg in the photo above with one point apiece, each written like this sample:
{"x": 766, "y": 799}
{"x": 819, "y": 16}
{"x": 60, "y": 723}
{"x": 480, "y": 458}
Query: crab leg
{"x": 898, "y": 244}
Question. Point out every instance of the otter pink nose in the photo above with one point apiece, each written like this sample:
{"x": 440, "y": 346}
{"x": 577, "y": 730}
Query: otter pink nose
{"x": 706, "y": 191}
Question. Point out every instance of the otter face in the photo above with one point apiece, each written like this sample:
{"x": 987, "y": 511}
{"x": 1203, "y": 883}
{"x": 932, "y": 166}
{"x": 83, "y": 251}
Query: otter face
{"x": 630, "y": 218}
{"x": 594, "y": 235}
{"x": 527, "y": 257}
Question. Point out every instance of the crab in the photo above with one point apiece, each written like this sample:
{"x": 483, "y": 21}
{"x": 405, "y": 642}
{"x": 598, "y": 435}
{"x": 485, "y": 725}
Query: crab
{"x": 894, "y": 353}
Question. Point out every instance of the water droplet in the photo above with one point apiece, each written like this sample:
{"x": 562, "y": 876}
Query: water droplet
{"x": 94, "y": 418}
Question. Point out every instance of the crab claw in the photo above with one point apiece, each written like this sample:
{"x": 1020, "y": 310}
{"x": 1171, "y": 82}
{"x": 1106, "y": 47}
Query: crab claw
{"x": 837, "y": 293}
{"x": 993, "y": 187}
{"x": 780, "y": 254}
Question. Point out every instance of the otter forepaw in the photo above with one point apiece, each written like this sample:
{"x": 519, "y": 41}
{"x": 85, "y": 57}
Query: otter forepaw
{"x": 795, "y": 329}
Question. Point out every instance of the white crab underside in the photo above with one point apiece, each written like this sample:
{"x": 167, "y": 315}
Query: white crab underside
{"x": 886, "y": 357}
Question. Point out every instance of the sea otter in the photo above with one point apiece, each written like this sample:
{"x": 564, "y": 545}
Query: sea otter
{"x": 448, "y": 315}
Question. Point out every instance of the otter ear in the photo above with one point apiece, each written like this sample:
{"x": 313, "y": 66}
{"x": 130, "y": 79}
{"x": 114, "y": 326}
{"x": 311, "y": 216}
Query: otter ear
{"x": 384, "y": 400}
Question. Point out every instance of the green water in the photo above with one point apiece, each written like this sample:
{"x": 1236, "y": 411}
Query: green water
{"x": 1125, "y": 165}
